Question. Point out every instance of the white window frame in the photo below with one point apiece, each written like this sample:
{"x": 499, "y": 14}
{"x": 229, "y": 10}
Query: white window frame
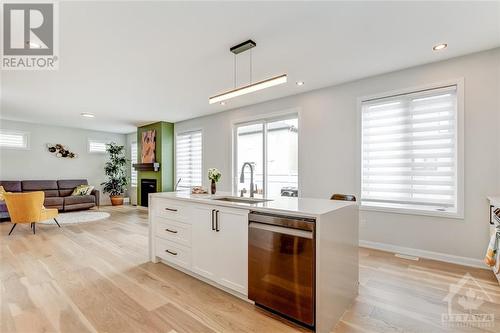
{"x": 459, "y": 214}
{"x": 134, "y": 143}
{"x": 89, "y": 140}
{"x": 26, "y": 137}
{"x": 269, "y": 117}
{"x": 176, "y": 133}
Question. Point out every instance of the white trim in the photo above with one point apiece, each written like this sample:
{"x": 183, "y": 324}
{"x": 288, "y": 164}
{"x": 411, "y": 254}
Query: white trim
{"x": 25, "y": 134}
{"x": 409, "y": 90}
{"x": 299, "y": 155}
{"x": 460, "y": 84}
{"x": 271, "y": 115}
{"x": 195, "y": 129}
{"x": 234, "y": 147}
{"x": 410, "y": 211}
{"x": 264, "y": 156}
{"x": 449, "y": 258}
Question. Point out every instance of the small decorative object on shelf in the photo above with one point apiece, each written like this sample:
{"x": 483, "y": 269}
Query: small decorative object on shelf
{"x": 60, "y": 151}
{"x": 214, "y": 176}
{"x": 198, "y": 190}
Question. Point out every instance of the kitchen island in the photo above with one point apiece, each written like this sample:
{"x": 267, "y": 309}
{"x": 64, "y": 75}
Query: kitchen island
{"x": 211, "y": 238}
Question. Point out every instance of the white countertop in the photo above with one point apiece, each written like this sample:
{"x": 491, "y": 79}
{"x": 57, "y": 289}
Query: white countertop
{"x": 289, "y": 205}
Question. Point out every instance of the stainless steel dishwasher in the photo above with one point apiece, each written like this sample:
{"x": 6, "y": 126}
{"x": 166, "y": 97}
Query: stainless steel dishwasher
{"x": 281, "y": 265}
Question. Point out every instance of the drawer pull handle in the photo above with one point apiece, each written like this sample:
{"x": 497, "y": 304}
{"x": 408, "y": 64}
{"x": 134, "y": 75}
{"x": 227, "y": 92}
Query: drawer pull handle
{"x": 171, "y": 209}
{"x": 172, "y": 231}
{"x": 171, "y": 252}
{"x": 217, "y": 221}
{"x": 213, "y": 220}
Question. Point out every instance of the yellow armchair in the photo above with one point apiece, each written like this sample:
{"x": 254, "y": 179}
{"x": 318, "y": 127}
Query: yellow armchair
{"x": 28, "y": 208}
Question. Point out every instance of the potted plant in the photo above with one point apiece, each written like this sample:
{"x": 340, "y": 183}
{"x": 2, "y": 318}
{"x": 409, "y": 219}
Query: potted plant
{"x": 115, "y": 171}
{"x": 214, "y": 176}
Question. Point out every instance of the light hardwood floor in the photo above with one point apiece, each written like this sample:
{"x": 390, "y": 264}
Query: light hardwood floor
{"x": 96, "y": 277}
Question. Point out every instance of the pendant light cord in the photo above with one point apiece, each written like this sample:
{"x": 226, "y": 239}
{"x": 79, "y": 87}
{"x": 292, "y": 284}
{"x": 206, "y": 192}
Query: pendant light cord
{"x": 234, "y": 69}
{"x": 250, "y": 66}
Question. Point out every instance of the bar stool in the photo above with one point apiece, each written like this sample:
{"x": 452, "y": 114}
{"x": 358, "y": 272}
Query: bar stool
{"x": 343, "y": 197}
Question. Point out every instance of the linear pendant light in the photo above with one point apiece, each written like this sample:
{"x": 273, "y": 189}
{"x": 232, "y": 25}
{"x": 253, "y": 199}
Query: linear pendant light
{"x": 252, "y": 87}
{"x": 274, "y": 81}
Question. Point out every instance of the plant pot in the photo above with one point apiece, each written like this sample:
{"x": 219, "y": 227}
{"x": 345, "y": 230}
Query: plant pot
{"x": 116, "y": 200}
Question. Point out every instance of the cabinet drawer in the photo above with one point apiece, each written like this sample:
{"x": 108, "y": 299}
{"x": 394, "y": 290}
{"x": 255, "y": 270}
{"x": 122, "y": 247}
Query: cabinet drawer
{"x": 172, "y": 210}
{"x": 173, "y": 231}
{"x": 173, "y": 252}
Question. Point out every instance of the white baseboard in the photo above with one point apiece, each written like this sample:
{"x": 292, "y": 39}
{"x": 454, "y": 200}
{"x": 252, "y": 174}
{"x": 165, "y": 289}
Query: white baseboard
{"x": 471, "y": 262}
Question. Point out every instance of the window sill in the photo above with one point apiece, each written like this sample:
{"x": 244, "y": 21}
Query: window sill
{"x": 411, "y": 211}
{"x": 15, "y": 148}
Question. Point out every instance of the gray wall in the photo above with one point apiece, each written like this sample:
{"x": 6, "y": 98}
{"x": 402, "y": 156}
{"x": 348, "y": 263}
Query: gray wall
{"x": 329, "y": 150}
{"x": 38, "y": 163}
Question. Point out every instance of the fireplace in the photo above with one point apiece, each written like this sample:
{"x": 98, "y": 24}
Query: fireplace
{"x": 147, "y": 186}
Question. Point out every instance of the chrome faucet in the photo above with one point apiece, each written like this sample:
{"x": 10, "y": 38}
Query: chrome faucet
{"x": 242, "y": 176}
{"x": 177, "y": 184}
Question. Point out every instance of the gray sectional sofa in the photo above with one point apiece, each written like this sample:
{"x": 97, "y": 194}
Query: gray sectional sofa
{"x": 57, "y": 193}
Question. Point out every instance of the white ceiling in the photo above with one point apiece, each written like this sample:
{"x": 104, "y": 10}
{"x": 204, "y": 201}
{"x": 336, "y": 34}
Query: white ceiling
{"x": 132, "y": 63}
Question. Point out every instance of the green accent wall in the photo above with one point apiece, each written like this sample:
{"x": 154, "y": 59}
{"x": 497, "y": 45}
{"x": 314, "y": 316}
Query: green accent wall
{"x": 164, "y": 155}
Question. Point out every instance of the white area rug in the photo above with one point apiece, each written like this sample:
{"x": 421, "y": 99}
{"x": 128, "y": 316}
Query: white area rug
{"x": 78, "y": 217}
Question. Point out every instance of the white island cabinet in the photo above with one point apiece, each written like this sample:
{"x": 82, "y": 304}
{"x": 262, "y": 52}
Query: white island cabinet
{"x": 209, "y": 239}
{"x": 220, "y": 252}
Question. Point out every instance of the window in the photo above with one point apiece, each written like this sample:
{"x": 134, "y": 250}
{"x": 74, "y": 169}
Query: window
{"x": 271, "y": 146}
{"x": 14, "y": 139}
{"x": 133, "y": 160}
{"x": 188, "y": 159}
{"x": 97, "y": 146}
{"x": 410, "y": 152}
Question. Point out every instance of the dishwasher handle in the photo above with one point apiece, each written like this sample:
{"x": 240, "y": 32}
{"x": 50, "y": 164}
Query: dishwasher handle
{"x": 282, "y": 230}
{"x": 301, "y": 223}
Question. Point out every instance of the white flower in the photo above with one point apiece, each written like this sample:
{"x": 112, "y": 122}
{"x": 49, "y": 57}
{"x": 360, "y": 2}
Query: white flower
{"x": 214, "y": 174}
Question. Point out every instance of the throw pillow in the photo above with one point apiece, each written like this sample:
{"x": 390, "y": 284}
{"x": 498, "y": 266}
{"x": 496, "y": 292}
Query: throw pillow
{"x": 89, "y": 190}
{"x": 2, "y": 191}
{"x": 80, "y": 190}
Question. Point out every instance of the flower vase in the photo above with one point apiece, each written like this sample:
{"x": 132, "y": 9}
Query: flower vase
{"x": 213, "y": 189}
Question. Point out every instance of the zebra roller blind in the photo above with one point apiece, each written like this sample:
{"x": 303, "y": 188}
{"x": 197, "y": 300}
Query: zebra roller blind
{"x": 409, "y": 151}
{"x": 188, "y": 153}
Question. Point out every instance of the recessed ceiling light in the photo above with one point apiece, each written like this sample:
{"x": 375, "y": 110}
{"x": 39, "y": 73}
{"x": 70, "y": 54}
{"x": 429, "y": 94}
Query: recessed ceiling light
{"x": 299, "y": 83}
{"x": 440, "y": 47}
{"x": 87, "y": 115}
{"x": 222, "y": 103}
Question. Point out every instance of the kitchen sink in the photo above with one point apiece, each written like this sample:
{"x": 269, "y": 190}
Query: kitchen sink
{"x": 241, "y": 200}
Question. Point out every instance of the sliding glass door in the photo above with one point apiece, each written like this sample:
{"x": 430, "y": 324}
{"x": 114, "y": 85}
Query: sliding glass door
{"x": 271, "y": 146}
{"x": 282, "y": 157}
